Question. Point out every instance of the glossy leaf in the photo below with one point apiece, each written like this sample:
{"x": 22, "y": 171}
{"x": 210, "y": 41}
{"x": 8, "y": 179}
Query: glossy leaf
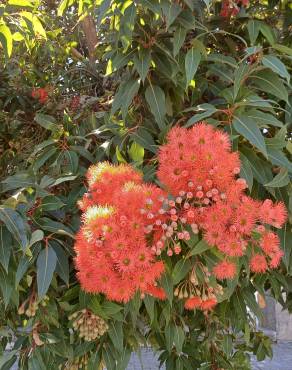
{"x": 192, "y": 61}
{"x": 248, "y": 129}
{"x": 155, "y": 98}
{"x": 46, "y": 264}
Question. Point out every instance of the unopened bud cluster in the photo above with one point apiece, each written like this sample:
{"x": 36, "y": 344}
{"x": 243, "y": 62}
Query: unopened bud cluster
{"x": 88, "y": 325}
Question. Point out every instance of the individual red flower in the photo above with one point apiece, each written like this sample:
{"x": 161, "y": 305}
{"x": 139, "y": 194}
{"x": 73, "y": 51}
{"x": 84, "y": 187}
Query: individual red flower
{"x": 193, "y": 303}
{"x": 156, "y": 292}
{"x": 208, "y": 304}
{"x": 258, "y": 263}
{"x": 225, "y": 270}
{"x": 273, "y": 214}
{"x": 41, "y": 94}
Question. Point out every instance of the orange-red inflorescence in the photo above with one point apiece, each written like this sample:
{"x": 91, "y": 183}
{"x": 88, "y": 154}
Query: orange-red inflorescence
{"x": 41, "y": 94}
{"x": 128, "y": 227}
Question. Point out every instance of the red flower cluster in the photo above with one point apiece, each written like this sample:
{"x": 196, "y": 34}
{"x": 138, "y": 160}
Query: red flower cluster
{"x": 128, "y": 226}
{"x": 232, "y": 7}
{"x": 200, "y": 171}
{"x": 41, "y": 94}
{"x": 113, "y": 256}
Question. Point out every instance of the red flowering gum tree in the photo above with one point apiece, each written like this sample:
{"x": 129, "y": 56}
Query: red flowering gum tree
{"x": 169, "y": 123}
{"x": 130, "y": 229}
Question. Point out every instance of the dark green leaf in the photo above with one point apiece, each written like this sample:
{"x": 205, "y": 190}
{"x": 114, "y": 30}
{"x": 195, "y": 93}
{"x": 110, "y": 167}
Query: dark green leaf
{"x": 246, "y": 171}
{"x": 269, "y": 82}
{"x": 15, "y": 225}
{"x": 276, "y": 66}
{"x": 253, "y": 28}
{"x": 51, "y": 203}
{"x": 142, "y": 62}
{"x": 264, "y": 119}
{"x": 155, "y": 98}
{"x": 46, "y": 121}
{"x": 167, "y": 285}
{"x": 180, "y": 270}
{"x": 246, "y": 127}
{"x": 116, "y": 335}
{"x": 5, "y": 247}
{"x": 46, "y": 264}
{"x": 192, "y": 61}
{"x": 280, "y": 180}
{"x": 178, "y": 39}
{"x": 62, "y": 266}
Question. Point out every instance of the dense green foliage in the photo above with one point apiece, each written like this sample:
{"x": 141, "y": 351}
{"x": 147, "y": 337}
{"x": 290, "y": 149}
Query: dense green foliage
{"x": 155, "y": 64}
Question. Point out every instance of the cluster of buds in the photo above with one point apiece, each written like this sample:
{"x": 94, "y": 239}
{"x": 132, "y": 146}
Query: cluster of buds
{"x": 179, "y": 215}
{"x": 198, "y": 292}
{"x": 76, "y": 364}
{"x": 75, "y": 102}
{"x": 88, "y": 325}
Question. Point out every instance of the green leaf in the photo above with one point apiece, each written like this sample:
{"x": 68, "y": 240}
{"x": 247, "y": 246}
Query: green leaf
{"x": 46, "y": 121}
{"x": 51, "y": 203}
{"x": 46, "y": 264}
{"x": 116, "y": 335}
{"x": 269, "y": 82}
{"x": 136, "y": 152}
{"x": 248, "y": 129}
{"x": 111, "y": 308}
{"x": 36, "y": 236}
{"x": 22, "y": 3}
{"x": 253, "y": 28}
{"x": 239, "y": 78}
{"x": 268, "y": 33}
{"x": 62, "y": 7}
{"x": 22, "y": 267}
{"x": 72, "y": 160}
{"x": 6, "y": 357}
{"x": 149, "y": 302}
{"x": 276, "y": 66}
{"x": 206, "y": 111}
{"x": 171, "y": 10}
{"x": 5, "y": 247}
{"x": 280, "y": 180}
{"x": 167, "y": 285}
{"x": 278, "y": 158}
{"x": 6, "y": 39}
{"x": 199, "y": 248}
{"x": 246, "y": 171}
{"x": 192, "y": 62}
{"x": 6, "y": 286}
{"x": 250, "y": 300}
{"x": 283, "y": 49}
{"x": 62, "y": 266}
{"x": 142, "y": 62}
{"x": 178, "y": 338}
{"x": 180, "y": 270}
{"x": 263, "y": 118}
{"x": 94, "y": 361}
{"x": 178, "y": 39}
{"x": 129, "y": 94}
{"x": 227, "y": 345}
{"x": 15, "y": 225}
{"x": 155, "y": 98}
{"x": 55, "y": 227}
{"x": 169, "y": 336}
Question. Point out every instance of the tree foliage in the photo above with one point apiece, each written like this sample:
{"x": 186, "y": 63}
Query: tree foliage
{"x": 85, "y": 81}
